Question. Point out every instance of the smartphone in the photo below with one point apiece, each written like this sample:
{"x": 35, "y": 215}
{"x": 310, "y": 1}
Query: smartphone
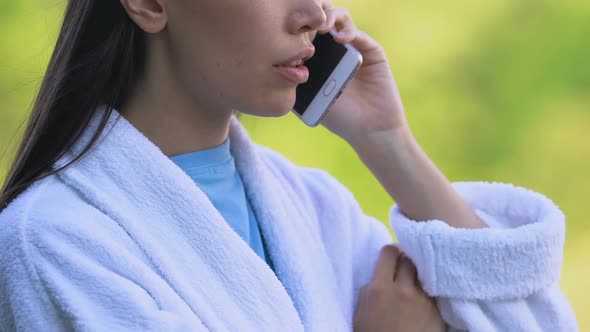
{"x": 330, "y": 69}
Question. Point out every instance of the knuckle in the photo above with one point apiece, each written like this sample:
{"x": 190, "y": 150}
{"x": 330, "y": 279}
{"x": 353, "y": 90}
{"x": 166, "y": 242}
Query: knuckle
{"x": 348, "y": 26}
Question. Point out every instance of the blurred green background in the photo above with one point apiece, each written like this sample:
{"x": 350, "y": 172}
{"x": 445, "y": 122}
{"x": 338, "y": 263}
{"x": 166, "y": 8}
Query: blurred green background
{"x": 494, "y": 91}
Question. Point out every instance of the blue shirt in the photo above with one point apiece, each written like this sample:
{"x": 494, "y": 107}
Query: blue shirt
{"x": 214, "y": 171}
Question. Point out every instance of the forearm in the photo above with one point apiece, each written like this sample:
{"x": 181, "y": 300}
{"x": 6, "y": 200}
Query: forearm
{"x": 419, "y": 188}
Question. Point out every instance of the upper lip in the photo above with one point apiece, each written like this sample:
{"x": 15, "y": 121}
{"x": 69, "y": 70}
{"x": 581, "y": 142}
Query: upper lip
{"x": 298, "y": 59}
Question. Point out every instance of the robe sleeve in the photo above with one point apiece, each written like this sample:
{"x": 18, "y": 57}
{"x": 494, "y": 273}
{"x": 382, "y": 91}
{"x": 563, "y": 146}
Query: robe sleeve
{"x": 83, "y": 278}
{"x": 500, "y": 278}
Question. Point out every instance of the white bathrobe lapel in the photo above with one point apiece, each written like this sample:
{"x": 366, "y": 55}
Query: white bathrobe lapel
{"x": 222, "y": 280}
{"x": 293, "y": 238}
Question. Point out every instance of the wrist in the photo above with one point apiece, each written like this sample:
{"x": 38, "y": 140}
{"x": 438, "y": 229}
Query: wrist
{"x": 413, "y": 181}
{"x": 392, "y": 142}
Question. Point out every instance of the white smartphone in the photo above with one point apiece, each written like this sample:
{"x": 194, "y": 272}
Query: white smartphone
{"x": 330, "y": 69}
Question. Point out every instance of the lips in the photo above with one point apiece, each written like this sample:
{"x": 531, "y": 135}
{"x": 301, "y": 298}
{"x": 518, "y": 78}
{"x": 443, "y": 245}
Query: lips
{"x": 297, "y": 75}
{"x": 298, "y": 59}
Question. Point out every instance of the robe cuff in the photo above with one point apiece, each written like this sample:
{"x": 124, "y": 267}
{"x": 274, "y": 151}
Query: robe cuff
{"x": 519, "y": 253}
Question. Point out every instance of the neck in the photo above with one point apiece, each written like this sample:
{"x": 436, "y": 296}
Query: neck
{"x": 173, "y": 119}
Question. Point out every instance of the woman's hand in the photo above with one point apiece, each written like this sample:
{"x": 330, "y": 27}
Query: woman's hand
{"x": 369, "y": 115}
{"x": 371, "y": 101}
{"x": 393, "y": 300}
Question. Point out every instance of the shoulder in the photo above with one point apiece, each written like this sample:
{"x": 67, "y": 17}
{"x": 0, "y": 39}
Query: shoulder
{"x": 65, "y": 263}
{"x": 47, "y": 204}
{"x": 50, "y": 219}
{"x": 37, "y": 232}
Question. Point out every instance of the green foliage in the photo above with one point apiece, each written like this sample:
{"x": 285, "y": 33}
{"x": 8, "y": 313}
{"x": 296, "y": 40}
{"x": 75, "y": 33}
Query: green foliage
{"x": 495, "y": 91}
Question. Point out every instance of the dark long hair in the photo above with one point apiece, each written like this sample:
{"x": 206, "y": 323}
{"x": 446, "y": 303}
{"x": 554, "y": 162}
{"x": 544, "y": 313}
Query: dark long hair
{"x": 99, "y": 55}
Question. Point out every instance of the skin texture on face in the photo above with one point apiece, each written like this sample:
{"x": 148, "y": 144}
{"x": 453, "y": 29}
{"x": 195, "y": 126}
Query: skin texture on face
{"x": 208, "y": 58}
{"x": 225, "y": 49}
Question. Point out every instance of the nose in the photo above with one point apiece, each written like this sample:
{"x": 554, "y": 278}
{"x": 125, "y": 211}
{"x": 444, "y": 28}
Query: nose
{"x": 307, "y": 16}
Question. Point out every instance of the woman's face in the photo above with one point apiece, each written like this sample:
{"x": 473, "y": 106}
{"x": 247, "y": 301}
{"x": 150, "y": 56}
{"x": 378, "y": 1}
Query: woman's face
{"x": 225, "y": 50}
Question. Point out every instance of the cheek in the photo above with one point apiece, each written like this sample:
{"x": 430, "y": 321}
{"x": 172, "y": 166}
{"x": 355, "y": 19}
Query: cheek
{"x": 229, "y": 60}
{"x": 254, "y": 92}
{"x": 246, "y": 81}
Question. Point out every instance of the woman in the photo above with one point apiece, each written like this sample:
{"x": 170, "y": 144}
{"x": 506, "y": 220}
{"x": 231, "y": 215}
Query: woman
{"x": 138, "y": 202}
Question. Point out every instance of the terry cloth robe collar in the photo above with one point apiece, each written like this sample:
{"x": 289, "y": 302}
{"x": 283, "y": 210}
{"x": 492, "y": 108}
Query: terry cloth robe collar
{"x": 225, "y": 283}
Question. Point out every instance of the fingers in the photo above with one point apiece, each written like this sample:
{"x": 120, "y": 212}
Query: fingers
{"x": 339, "y": 18}
{"x": 347, "y": 32}
{"x": 386, "y": 265}
{"x": 393, "y": 266}
{"x": 327, "y": 4}
{"x": 405, "y": 274}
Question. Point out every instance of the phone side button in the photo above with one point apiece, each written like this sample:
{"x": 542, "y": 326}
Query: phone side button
{"x": 329, "y": 87}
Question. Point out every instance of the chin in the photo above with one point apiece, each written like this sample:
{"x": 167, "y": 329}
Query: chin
{"x": 271, "y": 112}
{"x": 276, "y": 107}
{"x": 282, "y": 112}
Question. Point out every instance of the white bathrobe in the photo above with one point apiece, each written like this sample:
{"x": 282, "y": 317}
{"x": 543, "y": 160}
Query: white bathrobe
{"x": 124, "y": 240}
